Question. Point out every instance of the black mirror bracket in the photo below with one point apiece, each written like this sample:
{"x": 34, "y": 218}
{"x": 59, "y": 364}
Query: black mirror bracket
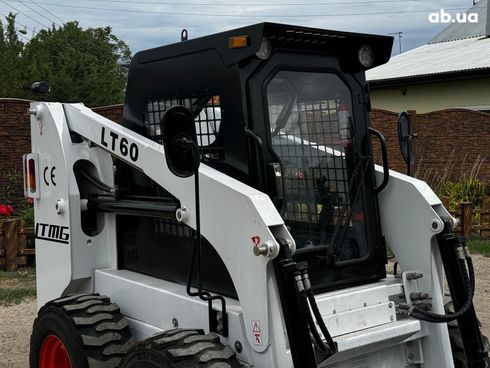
{"x": 405, "y": 137}
{"x": 183, "y": 159}
{"x": 180, "y": 141}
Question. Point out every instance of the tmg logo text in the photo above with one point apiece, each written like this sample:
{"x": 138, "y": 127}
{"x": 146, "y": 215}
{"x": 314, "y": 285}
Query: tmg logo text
{"x": 443, "y": 16}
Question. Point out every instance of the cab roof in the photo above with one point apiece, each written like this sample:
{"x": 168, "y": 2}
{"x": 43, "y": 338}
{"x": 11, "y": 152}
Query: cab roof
{"x": 344, "y": 45}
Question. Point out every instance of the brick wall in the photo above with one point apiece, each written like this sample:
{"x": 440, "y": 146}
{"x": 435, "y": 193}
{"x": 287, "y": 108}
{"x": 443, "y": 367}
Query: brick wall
{"x": 386, "y": 123}
{"x": 114, "y": 112}
{"x": 15, "y": 140}
{"x": 449, "y": 142}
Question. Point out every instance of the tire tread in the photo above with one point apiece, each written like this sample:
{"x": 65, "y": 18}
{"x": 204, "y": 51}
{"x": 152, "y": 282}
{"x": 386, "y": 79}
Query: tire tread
{"x": 184, "y": 348}
{"x": 103, "y": 331}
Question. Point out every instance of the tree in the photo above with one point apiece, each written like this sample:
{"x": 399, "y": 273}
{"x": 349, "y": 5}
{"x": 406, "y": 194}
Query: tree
{"x": 79, "y": 65}
{"x": 11, "y": 62}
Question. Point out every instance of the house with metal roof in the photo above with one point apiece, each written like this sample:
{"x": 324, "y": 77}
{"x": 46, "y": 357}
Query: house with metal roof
{"x": 451, "y": 71}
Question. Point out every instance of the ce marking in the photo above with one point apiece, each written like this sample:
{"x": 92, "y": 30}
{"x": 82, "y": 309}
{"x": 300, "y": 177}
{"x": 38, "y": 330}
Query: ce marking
{"x": 50, "y": 178}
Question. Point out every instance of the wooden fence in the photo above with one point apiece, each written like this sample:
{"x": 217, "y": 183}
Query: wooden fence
{"x": 474, "y": 221}
{"x": 16, "y": 244}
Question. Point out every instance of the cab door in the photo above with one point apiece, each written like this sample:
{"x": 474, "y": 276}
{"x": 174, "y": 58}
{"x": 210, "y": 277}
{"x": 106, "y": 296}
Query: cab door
{"x": 315, "y": 126}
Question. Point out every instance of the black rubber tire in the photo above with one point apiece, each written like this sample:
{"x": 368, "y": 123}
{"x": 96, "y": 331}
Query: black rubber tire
{"x": 93, "y": 330}
{"x": 181, "y": 348}
{"x": 459, "y": 355}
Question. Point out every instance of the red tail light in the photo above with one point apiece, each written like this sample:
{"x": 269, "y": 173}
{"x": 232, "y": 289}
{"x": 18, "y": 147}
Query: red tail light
{"x": 30, "y": 175}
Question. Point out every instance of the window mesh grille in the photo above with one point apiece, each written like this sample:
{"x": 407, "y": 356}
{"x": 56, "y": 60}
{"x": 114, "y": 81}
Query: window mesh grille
{"x": 313, "y": 159}
{"x": 208, "y": 123}
{"x": 209, "y": 140}
{"x": 311, "y": 128}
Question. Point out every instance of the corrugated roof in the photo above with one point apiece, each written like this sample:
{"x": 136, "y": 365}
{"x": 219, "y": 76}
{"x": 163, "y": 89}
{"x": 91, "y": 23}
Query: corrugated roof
{"x": 460, "y": 47}
{"x": 437, "y": 58}
{"x": 458, "y": 31}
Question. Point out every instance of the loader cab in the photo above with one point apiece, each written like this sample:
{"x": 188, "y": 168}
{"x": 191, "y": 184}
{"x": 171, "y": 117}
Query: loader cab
{"x": 283, "y": 109}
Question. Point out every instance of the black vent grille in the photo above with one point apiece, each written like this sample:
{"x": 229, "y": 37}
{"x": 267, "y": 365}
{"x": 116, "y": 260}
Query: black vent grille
{"x": 172, "y": 227}
{"x": 208, "y": 123}
{"x": 302, "y": 38}
{"x": 130, "y": 246}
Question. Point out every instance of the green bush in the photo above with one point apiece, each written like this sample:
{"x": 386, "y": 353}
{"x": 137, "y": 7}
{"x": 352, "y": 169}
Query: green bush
{"x": 27, "y": 215}
{"x": 465, "y": 190}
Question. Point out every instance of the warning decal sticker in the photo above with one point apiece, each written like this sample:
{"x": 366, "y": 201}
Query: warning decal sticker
{"x": 257, "y": 333}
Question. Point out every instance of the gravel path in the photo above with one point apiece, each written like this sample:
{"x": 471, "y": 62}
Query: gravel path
{"x": 15, "y": 331}
{"x": 16, "y": 320}
{"x": 482, "y": 295}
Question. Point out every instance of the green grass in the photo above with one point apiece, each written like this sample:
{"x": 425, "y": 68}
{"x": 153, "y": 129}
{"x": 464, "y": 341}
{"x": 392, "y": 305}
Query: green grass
{"x": 15, "y": 287}
{"x": 480, "y": 246}
{"x": 28, "y": 275}
{"x": 15, "y": 296}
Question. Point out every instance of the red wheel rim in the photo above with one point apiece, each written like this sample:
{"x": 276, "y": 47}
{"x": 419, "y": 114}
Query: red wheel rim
{"x": 53, "y": 354}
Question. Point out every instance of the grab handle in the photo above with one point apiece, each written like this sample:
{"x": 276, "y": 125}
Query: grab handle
{"x": 384, "y": 154}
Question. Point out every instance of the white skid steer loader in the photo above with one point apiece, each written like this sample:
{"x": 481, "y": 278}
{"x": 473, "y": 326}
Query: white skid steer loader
{"x": 236, "y": 219}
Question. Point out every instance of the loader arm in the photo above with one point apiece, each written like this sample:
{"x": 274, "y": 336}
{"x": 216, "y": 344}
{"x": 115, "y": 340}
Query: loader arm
{"x": 408, "y": 208}
{"x": 244, "y": 212}
{"x": 416, "y": 227}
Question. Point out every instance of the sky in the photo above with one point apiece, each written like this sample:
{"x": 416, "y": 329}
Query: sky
{"x": 145, "y": 24}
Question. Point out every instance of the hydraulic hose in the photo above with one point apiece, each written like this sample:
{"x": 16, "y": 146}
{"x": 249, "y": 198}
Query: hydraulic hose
{"x": 96, "y": 182}
{"x": 311, "y": 323}
{"x": 471, "y": 268}
{"x": 308, "y": 300}
{"x": 331, "y": 344}
{"x": 395, "y": 268}
{"x": 427, "y": 316}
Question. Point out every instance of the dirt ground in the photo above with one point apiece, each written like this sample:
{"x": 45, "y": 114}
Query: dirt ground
{"x": 15, "y": 330}
{"x": 482, "y": 295}
{"x": 16, "y": 320}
